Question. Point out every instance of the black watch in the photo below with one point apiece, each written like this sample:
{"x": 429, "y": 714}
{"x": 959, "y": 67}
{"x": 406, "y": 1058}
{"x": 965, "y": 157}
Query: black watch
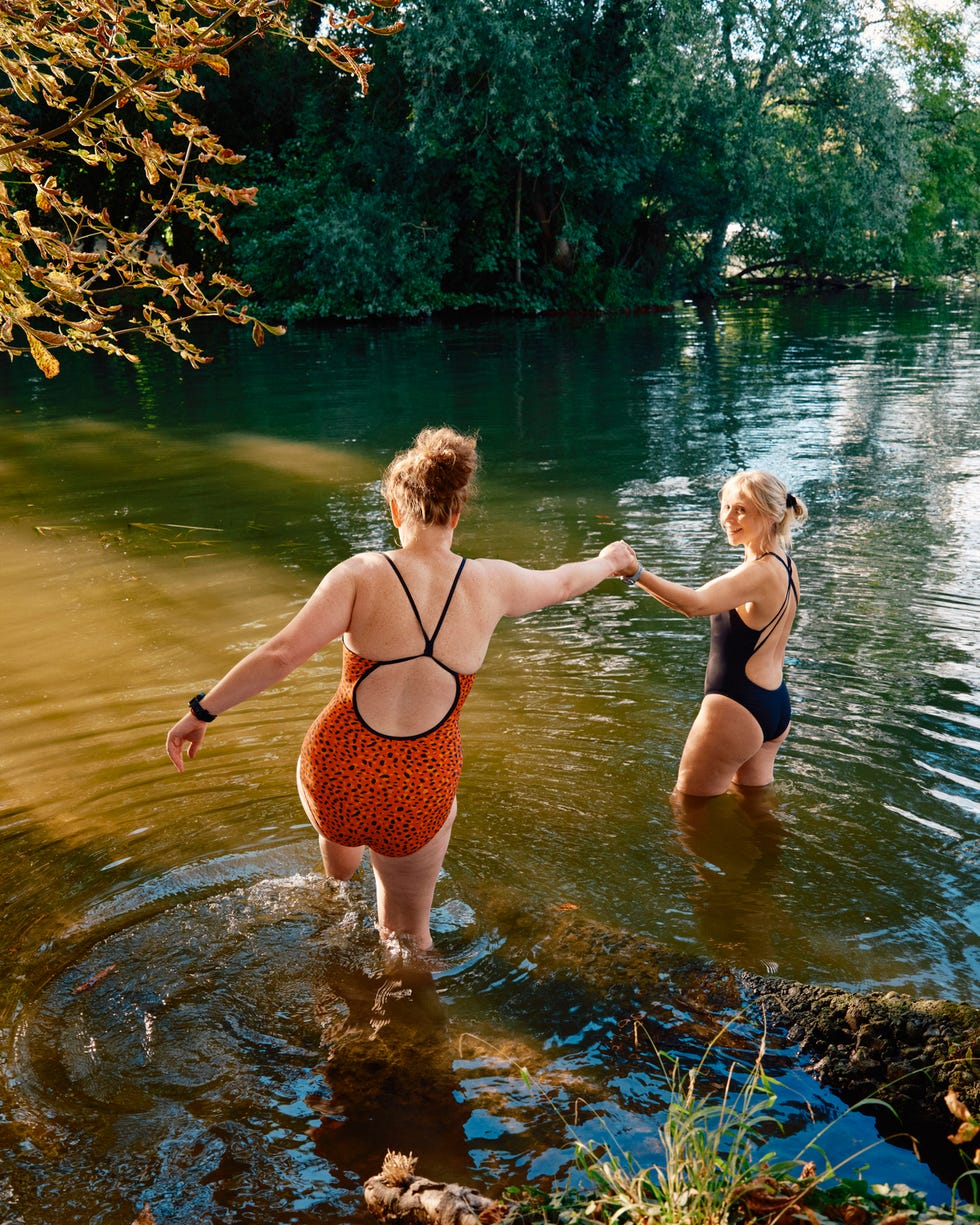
{"x": 198, "y": 711}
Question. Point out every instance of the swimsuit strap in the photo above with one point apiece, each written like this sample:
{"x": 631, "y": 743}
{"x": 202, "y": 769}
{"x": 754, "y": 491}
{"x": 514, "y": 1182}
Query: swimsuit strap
{"x": 770, "y": 626}
{"x": 429, "y": 641}
{"x": 449, "y": 600}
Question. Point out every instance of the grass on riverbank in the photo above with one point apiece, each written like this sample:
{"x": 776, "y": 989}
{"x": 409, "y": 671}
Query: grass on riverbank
{"x": 716, "y": 1170}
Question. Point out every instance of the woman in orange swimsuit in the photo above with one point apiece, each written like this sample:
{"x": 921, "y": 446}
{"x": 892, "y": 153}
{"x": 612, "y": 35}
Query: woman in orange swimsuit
{"x": 745, "y": 713}
{"x": 380, "y": 766}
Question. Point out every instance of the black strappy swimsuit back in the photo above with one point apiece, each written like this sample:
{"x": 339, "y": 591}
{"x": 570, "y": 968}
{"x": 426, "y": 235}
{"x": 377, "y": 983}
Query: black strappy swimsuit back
{"x": 733, "y": 643}
{"x": 430, "y": 640}
{"x": 427, "y": 653}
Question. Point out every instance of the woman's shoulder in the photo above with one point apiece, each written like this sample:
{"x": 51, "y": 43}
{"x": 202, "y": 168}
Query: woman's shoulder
{"x": 357, "y": 567}
{"x": 773, "y": 570}
{"x": 767, "y": 570}
{"x": 494, "y": 583}
{"x": 363, "y": 562}
{"x": 491, "y": 568}
{"x": 779, "y": 562}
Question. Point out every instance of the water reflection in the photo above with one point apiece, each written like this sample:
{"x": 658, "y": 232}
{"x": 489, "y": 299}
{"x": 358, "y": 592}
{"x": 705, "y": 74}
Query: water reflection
{"x": 193, "y": 1074}
{"x": 389, "y": 1074}
{"x": 736, "y": 842}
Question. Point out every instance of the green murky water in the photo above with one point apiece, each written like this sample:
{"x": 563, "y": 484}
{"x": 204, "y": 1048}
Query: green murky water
{"x": 240, "y": 1053}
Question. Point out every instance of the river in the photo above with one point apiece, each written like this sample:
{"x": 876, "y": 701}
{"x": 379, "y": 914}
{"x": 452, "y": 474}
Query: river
{"x": 193, "y": 1018}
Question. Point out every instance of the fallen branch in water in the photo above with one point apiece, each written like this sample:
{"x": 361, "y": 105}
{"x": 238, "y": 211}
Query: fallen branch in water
{"x": 398, "y": 1194}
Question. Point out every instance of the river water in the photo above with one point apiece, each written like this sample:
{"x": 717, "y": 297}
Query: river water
{"x": 191, "y": 1017}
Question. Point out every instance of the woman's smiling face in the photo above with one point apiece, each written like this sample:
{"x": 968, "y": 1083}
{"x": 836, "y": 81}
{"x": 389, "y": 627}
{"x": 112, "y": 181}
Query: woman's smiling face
{"x": 743, "y": 521}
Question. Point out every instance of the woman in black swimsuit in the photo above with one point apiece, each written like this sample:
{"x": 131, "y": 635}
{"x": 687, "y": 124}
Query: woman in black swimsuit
{"x": 745, "y": 713}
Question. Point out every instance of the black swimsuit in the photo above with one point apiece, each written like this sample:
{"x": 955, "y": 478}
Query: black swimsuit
{"x": 733, "y": 643}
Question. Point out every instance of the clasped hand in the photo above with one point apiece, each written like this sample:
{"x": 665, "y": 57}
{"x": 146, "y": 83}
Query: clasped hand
{"x": 622, "y": 557}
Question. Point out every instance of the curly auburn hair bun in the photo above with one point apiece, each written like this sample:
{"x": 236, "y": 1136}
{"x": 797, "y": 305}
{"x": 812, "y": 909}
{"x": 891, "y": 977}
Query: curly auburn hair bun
{"x": 432, "y": 481}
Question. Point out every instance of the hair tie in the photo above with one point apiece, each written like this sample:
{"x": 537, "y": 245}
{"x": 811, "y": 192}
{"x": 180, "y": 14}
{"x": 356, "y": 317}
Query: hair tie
{"x": 790, "y": 502}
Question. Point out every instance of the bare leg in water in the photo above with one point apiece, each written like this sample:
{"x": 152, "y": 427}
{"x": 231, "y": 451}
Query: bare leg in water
{"x": 405, "y": 885}
{"x": 725, "y": 745}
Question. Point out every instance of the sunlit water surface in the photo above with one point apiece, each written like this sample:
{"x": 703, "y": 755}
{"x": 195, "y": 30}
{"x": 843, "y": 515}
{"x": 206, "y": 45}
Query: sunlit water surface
{"x": 193, "y": 1018}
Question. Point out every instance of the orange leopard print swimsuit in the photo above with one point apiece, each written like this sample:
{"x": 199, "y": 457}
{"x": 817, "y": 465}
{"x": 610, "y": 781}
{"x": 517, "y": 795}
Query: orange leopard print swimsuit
{"x": 364, "y": 788}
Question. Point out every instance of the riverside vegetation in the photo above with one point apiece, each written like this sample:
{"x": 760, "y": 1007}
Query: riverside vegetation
{"x": 716, "y": 1169}
{"x": 568, "y": 155}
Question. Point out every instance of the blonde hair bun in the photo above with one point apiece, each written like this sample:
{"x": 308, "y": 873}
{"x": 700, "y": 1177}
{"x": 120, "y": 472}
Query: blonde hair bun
{"x": 768, "y": 494}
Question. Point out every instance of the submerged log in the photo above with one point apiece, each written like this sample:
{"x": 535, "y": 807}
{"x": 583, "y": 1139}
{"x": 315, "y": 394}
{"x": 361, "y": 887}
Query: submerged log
{"x": 397, "y": 1193}
{"x": 907, "y": 1052}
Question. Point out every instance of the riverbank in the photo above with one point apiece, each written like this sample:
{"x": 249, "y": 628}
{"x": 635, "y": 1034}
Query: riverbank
{"x": 907, "y": 1053}
{"x": 889, "y": 1054}
{"x": 914, "y": 1063}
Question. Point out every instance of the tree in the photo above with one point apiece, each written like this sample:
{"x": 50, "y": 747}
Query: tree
{"x": 493, "y": 165}
{"x": 342, "y": 226}
{"x": 106, "y": 166}
{"x": 936, "y": 55}
{"x": 519, "y": 123}
{"x": 597, "y": 154}
{"x": 775, "y": 129}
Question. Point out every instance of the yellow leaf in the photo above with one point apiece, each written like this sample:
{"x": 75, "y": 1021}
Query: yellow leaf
{"x": 217, "y": 62}
{"x": 966, "y": 1132}
{"x": 258, "y": 335}
{"x": 64, "y": 287}
{"x": 48, "y": 338}
{"x": 47, "y": 363}
{"x": 956, "y": 1107}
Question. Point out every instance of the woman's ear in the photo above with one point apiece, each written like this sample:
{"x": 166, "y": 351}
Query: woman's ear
{"x": 396, "y": 514}
{"x": 454, "y": 519}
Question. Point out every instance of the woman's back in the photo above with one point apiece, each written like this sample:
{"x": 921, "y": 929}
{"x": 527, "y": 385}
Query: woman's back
{"x": 383, "y": 622}
{"x": 769, "y": 619}
{"x": 413, "y": 621}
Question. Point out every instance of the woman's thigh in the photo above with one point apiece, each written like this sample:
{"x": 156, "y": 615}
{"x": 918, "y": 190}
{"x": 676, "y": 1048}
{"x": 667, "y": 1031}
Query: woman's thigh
{"x": 413, "y": 876}
{"x": 406, "y": 884}
{"x": 723, "y": 737}
{"x": 339, "y": 862}
{"x": 758, "y": 770}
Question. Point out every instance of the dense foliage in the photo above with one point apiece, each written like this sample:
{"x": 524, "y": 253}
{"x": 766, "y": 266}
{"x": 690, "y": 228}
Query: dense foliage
{"x": 109, "y": 166}
{"x": 611, "y": 154}
{"x": 511, "y": 154}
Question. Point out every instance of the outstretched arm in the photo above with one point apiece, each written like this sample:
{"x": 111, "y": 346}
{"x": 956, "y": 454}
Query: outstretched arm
{"x": 322, "y": 618}
{"x": 523, "y": 591}
{"x": 746, "y": 582}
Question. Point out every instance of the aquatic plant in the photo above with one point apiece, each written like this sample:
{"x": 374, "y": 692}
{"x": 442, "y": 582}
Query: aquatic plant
{"x": 717, "y": 1168}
